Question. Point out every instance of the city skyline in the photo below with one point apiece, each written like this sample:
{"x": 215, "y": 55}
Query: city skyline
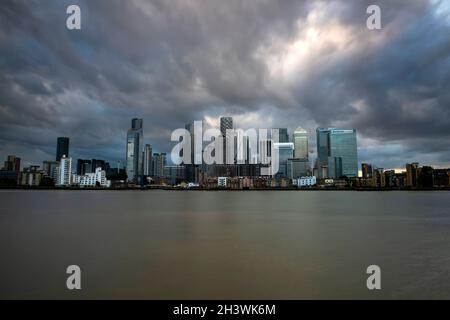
{"x": 136, "y": 143}
{"x": 299, "y": 64}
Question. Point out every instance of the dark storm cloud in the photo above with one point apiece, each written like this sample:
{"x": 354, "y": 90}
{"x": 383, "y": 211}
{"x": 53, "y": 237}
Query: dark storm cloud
{"x": 274, "y": 63}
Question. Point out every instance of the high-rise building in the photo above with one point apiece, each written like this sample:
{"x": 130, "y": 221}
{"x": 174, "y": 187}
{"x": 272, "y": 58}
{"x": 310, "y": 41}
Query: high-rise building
{"x": 226, "y": 123}
{"x": 285, "y": 152}
{"x": 97, "y": 163}
{"x": 412, "y": 174}
{"x": 335, "y": 169}
{"x": 333, "y": 144}
{"x": 283, "y": 136}
{"x": 367, "y": 170}
{"x": 65, "y": 171}
{"x": 323, "y": 150}
{"x": 159, "y": 162}
{"x": 50, "y": 169}
{"x": 12, "y": 163}
{"x": 300, "y": 139}
{"x": 62, "y": 147}
{"x": 190, "y": 167}
{"x": 31, "y": 176}
{"x": 135, "y": 141}
{"x": 148, "y": 167}
{"x": 83, "y": 166}
{"x": 298, "y": 167}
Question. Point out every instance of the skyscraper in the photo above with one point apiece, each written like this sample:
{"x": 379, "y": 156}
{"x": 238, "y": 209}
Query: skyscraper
{"x": 12, "y": 163}
{"x": 135, "y": 141}
{"x": 333, "y": 144}
{"x": 366, "y": 170}
{"x": 148, "y": 160}
{"x": 285, "y": 152}
{"x": 283, "y": 136}
{"x": 412, "y": 170}
{"x": 65, "y": 171}
{"x": 300, "y": 139}
{"x": 226, "y": 123}
{"x": 84, "y": 166}
{"x": 62, "y": 147}
{"x": 159, "y": 162}
{"x": 322, "y": 149}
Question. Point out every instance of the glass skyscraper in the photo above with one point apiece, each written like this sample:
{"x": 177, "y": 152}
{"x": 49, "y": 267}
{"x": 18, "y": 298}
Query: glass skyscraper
{"x": 285, "y": 152}
{"x": 62, "y": 148}
{"x": 300, "y": 143}
{"x": 135, "y": 141}
{"x": 337, "y": 151}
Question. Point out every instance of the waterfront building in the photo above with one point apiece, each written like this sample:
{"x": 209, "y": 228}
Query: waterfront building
{"x": 300, "y": 139}
{"x": 97, "y": 163}
{"x": 226, "y": 123}
{"x": 379, "y": 178}
{"x": 298, "y": 167}
{"x": 190, "y": 168}
{"x": 412, "y": 174}
{"x": 283, "y": 135}
{"x": 93, "y": 179}
{"x": 222, "y": 182}
{"x": 441, "y": 177}
{"x": 366, "y": 170}
{"x": 335, "y": 170}
{"x": 65, "y": 171}
{"x": 159, "y": 162}
{"x": 83, "y": 166}
{"x": 31, "y": 176}
{"x": 50, "y": 169}
{"x": 306, "y": 181}
{"x": 148, "y": 165}
{"x": 12, "y": 163}
{"x": 135, "y": 140}
{"x": 62, "y": 147}
{"x": 174, "y": 174}
{"x": 285, "y": 152}
{"x": 337, "y": 143}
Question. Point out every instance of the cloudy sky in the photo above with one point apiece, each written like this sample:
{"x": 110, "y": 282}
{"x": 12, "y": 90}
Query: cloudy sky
{"x": 267, "y": 63}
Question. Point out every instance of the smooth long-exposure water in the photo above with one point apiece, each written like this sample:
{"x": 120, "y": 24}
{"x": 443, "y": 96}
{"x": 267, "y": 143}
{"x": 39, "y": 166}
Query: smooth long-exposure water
{"x": 224, "y": 245}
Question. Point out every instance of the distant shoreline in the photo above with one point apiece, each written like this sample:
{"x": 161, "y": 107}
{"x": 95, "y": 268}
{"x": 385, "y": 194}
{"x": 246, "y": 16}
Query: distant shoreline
{"x": 165, "y": 188}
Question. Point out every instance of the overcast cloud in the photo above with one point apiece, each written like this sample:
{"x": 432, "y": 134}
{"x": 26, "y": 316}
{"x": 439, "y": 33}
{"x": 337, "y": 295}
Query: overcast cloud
{"x": 267, "y": 63}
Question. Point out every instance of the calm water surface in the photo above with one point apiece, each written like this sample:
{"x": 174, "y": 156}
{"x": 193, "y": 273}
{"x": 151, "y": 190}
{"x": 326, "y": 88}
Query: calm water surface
{"x": 230, "y": 245}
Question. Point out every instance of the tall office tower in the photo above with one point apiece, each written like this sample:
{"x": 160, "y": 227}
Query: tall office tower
{"x": 159, "y": 162}
{"x": 335, "y": 169}
{"x": 12, "y": 163}
{"x": 333, "y": 144}
{"x": 300, "y": 139}
{"x": 367, "y": 171}
{"x": 228, "y": 147}
{"x": 285, "y": 152}
{"x": 322, "y": 150}
{"x": 283, "y": 136}
{"x": 225, "y": 123}
{"x": 298, "y": 167}
{"x": 135, "y": 141}
{"x": 65, "y": 171}
{"x": 189, "y": 168}
{"x": 148, "y": 160}
{"x": 83, "y": 167}
{"x": 97, "y": 163}
{"x": 412, "y": 174}
{"x": 62, "y": 147}
{"x": 51, "y": 169}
